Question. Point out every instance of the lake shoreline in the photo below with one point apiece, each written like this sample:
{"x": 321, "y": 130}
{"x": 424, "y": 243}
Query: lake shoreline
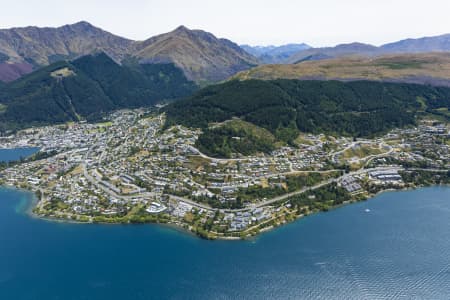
{"x": 32, "y": 201}
{"x": 329, "y": 254}
{"x": 16, "y": 154}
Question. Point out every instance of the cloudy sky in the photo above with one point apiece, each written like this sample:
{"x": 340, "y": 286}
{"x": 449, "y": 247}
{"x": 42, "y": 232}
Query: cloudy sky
{"x": 263, "y": 22}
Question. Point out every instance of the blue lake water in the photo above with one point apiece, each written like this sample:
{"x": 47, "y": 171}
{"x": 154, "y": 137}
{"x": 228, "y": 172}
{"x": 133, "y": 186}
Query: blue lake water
{"x": 398, "y": 250}
{"x": 17, "y": 153}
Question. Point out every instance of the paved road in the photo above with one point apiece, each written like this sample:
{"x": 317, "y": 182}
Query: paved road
{"x": 334, "y": 155}
{"x": 222, "y": 160}
{"x": 257, "y": 205}
{"x": 323, "y": 183}
{"x": 260, "y": 204}
{"x": 372, "y": 157}
{"x": 286, "y": 196}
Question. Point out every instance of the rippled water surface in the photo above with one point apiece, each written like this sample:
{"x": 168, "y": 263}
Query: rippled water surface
{"x": 398, "y": 250}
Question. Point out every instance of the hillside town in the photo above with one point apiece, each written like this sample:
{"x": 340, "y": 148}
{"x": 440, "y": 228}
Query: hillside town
{"x": 131, "y": 168}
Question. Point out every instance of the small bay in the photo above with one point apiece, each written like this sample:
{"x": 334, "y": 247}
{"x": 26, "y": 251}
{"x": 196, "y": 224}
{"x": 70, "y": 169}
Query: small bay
{"x": 16, "y": 154}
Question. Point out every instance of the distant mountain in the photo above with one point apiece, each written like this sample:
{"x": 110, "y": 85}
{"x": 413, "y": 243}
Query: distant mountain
{"x": 420, "y": 68}
{"x": 422, "y": 45}
{"x": 410, "y": 61}
{"x": 426, "y": 44}
{"x": 22, "y": 49}
{"x": 274, "y": 54}
{"x": 85, "y": 88}
{"x": 258, "y": 51}
{"x": 353, "y": 49}
{"x": 202, "y": 56}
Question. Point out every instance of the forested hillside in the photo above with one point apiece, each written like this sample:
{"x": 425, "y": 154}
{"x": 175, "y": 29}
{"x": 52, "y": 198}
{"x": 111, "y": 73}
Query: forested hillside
{"x": 285, "y": 107}
{"x": 86, "y": 88}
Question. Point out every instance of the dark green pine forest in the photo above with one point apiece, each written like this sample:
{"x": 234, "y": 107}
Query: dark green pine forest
{"x": 87, "y": 88}
{"x": 286, "y": 107}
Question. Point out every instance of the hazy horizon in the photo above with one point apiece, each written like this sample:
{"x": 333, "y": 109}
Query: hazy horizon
{"x": 257, "y": 23}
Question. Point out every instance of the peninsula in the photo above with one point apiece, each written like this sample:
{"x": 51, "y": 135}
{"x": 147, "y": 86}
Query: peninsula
{"x": 134, "y": 168}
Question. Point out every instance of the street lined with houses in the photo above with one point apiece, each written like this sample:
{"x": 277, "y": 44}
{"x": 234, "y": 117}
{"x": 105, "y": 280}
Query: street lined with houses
{"x": 131, "y": 168}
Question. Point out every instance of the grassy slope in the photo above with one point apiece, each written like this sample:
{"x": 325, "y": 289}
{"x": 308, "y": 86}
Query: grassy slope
{"x": 430, "y": 68}
{"x": 249, "y": 128}
{"x": 236, "y": 136}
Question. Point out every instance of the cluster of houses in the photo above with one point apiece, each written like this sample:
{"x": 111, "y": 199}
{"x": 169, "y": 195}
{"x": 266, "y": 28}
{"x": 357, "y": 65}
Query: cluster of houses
{"x": 242, "y": 220}
{"x": 351, "y": 184}
{"x": 385, "y": 176}
{"x": 108, "y": 168}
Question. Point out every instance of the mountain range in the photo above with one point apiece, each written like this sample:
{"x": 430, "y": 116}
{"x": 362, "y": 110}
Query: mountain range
{"x": 439, "y": 43}
{"x": 201, "y": 56}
